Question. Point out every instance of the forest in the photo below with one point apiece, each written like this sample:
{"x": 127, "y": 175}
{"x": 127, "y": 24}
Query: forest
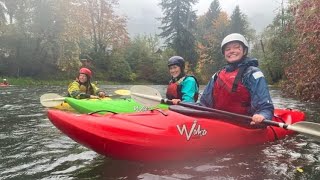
{"x": 44, "y": 40}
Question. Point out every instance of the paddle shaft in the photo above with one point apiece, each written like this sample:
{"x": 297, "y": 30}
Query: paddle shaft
{"x": 203, "y": 108}
{"x": 151, "y": 97}
{"x": 54, "y": 99}
{"x": 307, "y": 128}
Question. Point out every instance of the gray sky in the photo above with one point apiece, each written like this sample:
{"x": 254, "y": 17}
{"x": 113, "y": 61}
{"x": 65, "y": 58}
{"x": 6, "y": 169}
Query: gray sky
{"x": 142, "y": 14}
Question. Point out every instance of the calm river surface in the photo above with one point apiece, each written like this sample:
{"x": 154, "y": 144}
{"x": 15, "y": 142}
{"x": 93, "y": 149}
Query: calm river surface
{"x": 32, "y": 148}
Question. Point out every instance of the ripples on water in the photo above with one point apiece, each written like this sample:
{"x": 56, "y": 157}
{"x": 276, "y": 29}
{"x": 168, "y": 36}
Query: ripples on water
{"x": 32, "y": 148}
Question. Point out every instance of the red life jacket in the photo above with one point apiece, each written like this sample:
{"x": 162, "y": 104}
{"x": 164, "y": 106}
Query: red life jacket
{"x": 174, "y": 89}
{"x": 230, "y": 94}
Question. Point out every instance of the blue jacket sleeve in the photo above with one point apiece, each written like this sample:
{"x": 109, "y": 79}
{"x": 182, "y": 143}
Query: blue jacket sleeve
{"x": 261, "y": 102}
{"x": 206, "y": 98}
{"x": 189, "y": 89}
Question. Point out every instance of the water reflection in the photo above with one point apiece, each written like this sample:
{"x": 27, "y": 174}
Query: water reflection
{"x": 32, "y": 148}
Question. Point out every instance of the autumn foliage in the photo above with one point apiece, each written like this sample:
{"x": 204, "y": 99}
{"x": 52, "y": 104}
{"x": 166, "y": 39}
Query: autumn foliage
{"x": 302, "y": 72}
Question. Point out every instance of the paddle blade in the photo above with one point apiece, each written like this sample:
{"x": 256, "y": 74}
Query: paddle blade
{"x": 307, "y": 128}
{"x": 122, "y": 92}
{"x": 145, "y": 95}
{"x": 51, "y": 100}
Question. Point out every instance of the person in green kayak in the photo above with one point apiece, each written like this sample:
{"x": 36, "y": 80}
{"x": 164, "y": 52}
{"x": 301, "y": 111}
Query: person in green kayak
{"x": 82, "y": 87}
{"x": 181, "y": 87}
{"x": 239, "y": 87}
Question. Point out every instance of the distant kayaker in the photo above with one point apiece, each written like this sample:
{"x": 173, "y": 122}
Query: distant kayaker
{"x": 5, "y": 82}
{"x": 86, "y": 61}
{"x": 83, "y": 88}
{"x": 239, "y": 87}
{"x": 181, "y": 87}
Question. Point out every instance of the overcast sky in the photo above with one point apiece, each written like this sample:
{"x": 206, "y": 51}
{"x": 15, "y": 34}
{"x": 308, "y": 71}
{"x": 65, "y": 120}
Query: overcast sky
{"x": 142, "y": 14}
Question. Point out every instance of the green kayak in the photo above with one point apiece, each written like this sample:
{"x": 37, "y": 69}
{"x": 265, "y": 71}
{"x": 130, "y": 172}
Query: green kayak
{"x": 105, "y": 106}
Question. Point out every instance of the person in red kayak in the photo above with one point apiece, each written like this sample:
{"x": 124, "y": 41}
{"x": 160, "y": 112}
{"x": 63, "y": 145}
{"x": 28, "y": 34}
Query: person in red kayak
{"x": 181, "y": 87}
{"x": 239, "y": 87}
{"x": 5, "y": 82}
{"x": 82, "y": 87}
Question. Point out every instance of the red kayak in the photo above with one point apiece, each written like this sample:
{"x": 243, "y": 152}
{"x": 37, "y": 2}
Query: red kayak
{"x": 161, "y": 135}
{"x": 4, "y": 85}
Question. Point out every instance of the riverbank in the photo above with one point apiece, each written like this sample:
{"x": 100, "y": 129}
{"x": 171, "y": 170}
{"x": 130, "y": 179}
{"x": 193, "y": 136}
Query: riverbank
{"x": 37, "y": 82}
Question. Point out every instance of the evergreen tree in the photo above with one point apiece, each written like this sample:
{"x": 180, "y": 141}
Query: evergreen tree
{"x": 205, "y": 23}
{"x": 177, "y": 28}
{"x": 213, "y": 30}
{"x": 239, "y": 23}
{"x": 213, "y": 13}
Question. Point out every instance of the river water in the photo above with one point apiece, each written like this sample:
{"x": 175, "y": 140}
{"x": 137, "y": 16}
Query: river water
{"x": 32, "y": 148}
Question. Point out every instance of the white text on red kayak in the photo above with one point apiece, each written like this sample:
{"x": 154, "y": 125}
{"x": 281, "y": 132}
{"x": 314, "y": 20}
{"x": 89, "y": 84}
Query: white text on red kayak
{"x": 194, "y": 131}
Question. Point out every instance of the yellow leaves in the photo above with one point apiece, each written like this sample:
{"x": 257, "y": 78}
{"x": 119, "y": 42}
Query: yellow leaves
{"x": 299, "y": 169}
{"x": 222, "y": 21}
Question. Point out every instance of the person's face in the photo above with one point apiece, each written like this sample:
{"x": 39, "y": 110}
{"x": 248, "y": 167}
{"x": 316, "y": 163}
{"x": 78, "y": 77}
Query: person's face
{"x": 83, "y": 78}
{"x": 174, "y": 71}
{"x": 233, "y": 52}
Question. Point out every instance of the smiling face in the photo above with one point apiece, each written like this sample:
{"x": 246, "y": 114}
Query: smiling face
{"x": 174, "y": 71}
{"x": 233, "y": 52}
{"x": 83, "y": 78}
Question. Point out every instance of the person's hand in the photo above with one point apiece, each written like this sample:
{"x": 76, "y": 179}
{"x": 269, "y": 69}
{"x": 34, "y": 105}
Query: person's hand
{"x": 257, "y": 119}
{"x": 175, "y": 101}
{"x": 102, "y": 94}
{"x": 94, "y": 97}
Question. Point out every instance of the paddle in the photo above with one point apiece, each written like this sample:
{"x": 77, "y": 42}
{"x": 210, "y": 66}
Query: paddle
{"x": 52, "y": 99}
{"x": 150, "y": 97}
{"x": 122, "y": 92}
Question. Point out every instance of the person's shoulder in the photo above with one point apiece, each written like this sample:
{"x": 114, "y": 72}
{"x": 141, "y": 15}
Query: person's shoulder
{"x": 74, "y": 83}
{"x": 252, "y": 69}
{"x": 252, "y": 65}
{"x": 190, "y": 78}
{"x": 254, "y": 72}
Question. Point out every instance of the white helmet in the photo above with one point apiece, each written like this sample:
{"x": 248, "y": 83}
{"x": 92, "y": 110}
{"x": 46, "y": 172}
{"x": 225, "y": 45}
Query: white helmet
{"x": 234, "y": 37}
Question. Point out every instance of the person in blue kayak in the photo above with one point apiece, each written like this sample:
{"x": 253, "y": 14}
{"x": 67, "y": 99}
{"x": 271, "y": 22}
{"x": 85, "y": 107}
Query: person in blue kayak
{"x": 181, "y": 87}
{"x": 82, "y": 87}
{"x": 239, "y": 87}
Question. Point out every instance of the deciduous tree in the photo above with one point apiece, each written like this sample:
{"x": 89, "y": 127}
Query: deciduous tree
{"x": 303, "y": 60}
